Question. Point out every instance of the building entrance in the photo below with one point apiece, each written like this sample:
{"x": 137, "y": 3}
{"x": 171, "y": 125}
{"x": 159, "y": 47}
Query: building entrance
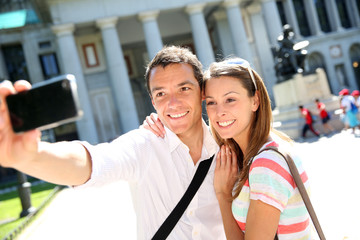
{"x": 15, "y": 62}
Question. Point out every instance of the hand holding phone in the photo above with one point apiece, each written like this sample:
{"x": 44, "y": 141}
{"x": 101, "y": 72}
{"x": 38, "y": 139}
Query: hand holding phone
{"x": 46, "y": 105}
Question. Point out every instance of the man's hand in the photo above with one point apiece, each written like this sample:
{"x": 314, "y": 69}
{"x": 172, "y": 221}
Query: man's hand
{"x": 15, "y": 148}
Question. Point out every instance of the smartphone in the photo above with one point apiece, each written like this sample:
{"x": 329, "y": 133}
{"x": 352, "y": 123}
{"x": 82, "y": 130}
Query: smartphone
{"x": 46, "y": 105}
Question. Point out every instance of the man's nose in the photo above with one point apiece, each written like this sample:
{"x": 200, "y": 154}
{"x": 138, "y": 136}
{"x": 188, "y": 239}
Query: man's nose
{"x": 174, "y": 101}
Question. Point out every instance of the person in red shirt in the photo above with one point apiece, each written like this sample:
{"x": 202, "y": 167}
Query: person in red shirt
{"x": 324, "y": 115}
{"x": 308, "y": 121}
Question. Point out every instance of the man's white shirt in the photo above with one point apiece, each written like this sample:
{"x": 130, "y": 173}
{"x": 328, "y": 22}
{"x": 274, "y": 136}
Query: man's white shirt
{"x": 159, "y": 171}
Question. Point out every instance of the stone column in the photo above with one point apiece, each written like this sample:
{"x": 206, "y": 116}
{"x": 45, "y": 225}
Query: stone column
{"x": 204, "y": 50}
{"x": 313, "y": 17}
{"x": 30, "y": 49}
{"x": 264, "y": 60}
{"x": 70, "y": 60}
{"x": 152, "y": 33}
{"x": 272, "y": 20}
{"x": 223, "y": 29}
{"x": 291, "y": 16}
{"x": 355, "y": 13}
{"x": 119, "y": 78}
{"x": 333, "y": 14}
{"x": 238, "y": 33}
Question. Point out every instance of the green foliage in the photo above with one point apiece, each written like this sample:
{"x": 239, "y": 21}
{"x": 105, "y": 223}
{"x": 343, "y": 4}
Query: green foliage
{"x": 10, "y": 206}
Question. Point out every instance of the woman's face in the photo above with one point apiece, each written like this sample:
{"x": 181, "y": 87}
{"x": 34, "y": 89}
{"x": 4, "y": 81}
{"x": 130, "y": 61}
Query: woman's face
{"x": 229, "y": 107}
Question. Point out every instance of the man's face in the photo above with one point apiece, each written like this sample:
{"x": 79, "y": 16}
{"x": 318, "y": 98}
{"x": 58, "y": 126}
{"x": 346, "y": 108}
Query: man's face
{"x": 176, "y": 96}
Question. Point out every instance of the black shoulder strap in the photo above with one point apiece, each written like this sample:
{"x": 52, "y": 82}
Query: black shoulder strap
{"x": 170, "y": 222}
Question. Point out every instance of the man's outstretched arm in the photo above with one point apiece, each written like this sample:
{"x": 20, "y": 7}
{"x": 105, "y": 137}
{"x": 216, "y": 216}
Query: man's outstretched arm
{"x": 65, "y": 163}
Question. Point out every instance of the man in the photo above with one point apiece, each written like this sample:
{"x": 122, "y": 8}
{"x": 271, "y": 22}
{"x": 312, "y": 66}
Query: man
{"x": 159, "y": 169}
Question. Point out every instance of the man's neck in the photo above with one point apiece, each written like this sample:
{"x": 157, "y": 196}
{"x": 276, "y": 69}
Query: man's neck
{"x": 194, "y": 141}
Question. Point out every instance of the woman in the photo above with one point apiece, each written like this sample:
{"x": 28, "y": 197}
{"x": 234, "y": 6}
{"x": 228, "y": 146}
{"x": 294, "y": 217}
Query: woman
{"x": 349, "y": 108}
{"x": 265, "y": 200}
{"x": 256, "y": 193}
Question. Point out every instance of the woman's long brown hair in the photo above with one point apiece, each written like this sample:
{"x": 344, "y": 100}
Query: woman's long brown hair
{"x": 261, "y": 120}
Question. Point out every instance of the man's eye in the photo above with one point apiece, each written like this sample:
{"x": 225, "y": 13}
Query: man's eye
{"x": 160, "y": 94}
{"x": 185, "y": 88}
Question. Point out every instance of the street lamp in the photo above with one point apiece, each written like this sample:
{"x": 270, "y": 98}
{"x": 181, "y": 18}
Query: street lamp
{"x": 24, "y": 189}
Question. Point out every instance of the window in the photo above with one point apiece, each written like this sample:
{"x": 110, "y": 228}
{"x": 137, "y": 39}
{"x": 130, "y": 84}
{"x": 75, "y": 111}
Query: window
{"x": 49, "y": 65}
{"x": 280, "y": 7}
{"x": 343, "y": 14}
{"x": 341, "y": 76}
{"x": 301, "y": 17}
{"x": 90, "y": 54}
{"x": 323, "y": 16}
{"x": 15, "y": 62}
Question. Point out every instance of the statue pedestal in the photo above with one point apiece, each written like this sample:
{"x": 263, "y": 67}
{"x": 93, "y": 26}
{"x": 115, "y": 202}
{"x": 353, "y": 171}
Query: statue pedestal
{"x": 303, "y": 90}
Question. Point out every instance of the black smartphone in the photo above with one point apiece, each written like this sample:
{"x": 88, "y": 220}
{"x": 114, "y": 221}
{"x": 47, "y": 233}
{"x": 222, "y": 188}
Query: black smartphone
{"x": 46, "y": 105}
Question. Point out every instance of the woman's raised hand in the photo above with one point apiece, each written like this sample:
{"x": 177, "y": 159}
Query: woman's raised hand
{"x": 226, "y": 172}
{"x": 154, "y": 124}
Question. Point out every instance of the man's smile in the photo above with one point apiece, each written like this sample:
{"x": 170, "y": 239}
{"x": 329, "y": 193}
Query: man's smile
{"x": 178, "y": 115}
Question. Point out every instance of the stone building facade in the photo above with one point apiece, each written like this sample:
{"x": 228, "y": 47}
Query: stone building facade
{"x": 107, "y": 44}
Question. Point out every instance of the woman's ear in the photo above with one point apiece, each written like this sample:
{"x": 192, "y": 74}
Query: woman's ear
{"x": 256, "y": 101}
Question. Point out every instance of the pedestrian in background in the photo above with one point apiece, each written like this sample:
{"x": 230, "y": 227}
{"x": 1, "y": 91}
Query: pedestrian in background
{"x": 307, "y": 115}
{"x": 325, "y": 116}
{"x": 349, "y": 109}
{"x": 356, "y": 95}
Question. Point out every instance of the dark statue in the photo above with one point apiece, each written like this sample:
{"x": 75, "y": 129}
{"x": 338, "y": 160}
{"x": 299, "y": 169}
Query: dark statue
{"x": 289, "y": 56}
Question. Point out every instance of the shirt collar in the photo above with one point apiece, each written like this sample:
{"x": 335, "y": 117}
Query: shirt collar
{"x": 209, "y": 144}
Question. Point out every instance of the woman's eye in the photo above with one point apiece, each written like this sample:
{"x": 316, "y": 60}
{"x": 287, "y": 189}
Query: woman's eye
{"x": 210, "y": 103}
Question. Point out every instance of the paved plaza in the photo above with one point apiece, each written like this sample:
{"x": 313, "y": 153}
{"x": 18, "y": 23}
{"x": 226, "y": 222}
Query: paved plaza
{"x": 332, "y": 164}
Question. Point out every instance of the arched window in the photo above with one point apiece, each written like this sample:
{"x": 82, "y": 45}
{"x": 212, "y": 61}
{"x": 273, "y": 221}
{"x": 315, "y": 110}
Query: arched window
{"x": 354, "y": 53}
{"x": 301, "y": 17}
{"x": 323, "y": 16}
{"x": 343, "y": 13}
{"x": 316, "y": 60}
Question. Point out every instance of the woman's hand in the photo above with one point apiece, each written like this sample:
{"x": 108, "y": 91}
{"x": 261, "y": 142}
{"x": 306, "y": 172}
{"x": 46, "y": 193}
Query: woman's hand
{"x": 226, "y": 172}
{"x": 154, "y": 124}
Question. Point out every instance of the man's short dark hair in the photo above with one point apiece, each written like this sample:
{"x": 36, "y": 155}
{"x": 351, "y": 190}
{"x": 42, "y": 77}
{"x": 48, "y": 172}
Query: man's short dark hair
{"x": 172, "y": 55}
